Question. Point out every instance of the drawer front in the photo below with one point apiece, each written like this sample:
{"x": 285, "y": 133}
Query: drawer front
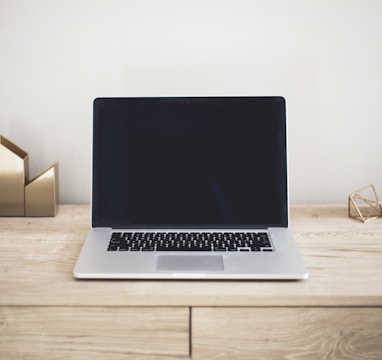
{"x": 286, "y": 333}
{"x": 94, "y": 333}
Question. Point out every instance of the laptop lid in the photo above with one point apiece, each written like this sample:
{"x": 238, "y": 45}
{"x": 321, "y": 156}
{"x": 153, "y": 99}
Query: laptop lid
{"x": 189, "y": 162}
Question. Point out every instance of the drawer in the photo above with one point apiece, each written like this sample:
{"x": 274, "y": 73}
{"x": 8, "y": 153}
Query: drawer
{"x": 286, "y": 333}
{"x": 94, "y": 333}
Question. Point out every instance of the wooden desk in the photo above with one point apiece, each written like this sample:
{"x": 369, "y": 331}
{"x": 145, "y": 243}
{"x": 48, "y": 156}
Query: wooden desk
{"x": 335, "y": 314}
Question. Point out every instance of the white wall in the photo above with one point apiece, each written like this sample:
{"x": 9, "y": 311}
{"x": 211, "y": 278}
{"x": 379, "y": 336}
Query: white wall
{"x": 324, "y": 56}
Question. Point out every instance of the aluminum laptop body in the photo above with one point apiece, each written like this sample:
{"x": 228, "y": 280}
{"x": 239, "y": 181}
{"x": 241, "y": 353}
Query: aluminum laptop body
{"x": 180, "y": 170}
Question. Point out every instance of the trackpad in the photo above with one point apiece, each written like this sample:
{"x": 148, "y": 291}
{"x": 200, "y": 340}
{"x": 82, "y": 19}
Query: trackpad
{"x": 190, "y": 263}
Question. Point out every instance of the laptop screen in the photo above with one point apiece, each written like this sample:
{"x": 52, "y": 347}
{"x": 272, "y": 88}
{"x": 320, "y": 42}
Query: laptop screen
{"x": 189, "y": 162}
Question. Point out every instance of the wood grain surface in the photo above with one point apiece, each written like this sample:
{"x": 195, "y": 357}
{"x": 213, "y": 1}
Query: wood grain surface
{"x": 47, "y": 314}
{"x": 94, "y": 333}
{"x": 343, "y": 255}
{"x": 287, "y": 333}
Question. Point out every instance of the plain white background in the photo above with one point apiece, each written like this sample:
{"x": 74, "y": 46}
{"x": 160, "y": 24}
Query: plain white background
{"x": 324, "y": 56}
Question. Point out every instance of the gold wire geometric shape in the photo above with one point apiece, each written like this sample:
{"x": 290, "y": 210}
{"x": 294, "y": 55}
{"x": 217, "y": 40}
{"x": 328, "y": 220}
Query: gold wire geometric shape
{"x": 365, "y": 206}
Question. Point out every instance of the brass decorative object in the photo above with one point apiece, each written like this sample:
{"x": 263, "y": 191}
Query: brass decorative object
{"x": 41, "y": 193}
{"x": 14, "y": 164}
{"x": 18, "y": 195}
{"x": 364, "y": 204}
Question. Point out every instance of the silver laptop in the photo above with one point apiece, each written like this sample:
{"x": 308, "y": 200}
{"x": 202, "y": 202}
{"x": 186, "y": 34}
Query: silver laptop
{"x": 189, "y": 188}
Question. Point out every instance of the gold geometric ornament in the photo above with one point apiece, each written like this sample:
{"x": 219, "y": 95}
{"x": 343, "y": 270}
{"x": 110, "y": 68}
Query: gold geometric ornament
{"x": 364, "y": 204}
{"x": 41, "y": 193}
{"x": 20, "y": 196}
{"x": 14, "y": 164}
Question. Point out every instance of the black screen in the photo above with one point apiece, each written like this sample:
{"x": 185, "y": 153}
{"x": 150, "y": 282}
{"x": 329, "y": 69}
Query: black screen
{"x": 189, "y": 162}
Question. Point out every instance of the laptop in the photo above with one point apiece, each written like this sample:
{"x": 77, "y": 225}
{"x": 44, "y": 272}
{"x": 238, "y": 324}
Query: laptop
{"x": 189, "y": 188}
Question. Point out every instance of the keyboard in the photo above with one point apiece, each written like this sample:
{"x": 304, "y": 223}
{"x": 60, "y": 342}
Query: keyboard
{"x": 189, "y": 241}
